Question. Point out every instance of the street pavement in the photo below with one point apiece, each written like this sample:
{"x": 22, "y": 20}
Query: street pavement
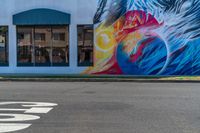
{"x": 101, "y": 107}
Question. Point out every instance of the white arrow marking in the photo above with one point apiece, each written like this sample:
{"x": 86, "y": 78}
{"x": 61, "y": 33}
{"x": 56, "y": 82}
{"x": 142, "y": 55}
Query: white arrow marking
{"x": 39, "y": 110}
{"x": 31, "y": 110}
{"x": 31, "y": 104}
{"x": 7, "y": 109}
{"x": 17, "y": 117}
{"x": 9, "y": 127}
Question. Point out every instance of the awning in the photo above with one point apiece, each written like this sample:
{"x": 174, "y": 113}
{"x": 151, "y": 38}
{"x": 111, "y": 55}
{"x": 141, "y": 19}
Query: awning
{"x": 41, "y": 17}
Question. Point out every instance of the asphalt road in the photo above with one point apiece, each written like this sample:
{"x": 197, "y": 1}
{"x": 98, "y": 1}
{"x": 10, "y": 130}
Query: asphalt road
{"x": 108, "y": 107}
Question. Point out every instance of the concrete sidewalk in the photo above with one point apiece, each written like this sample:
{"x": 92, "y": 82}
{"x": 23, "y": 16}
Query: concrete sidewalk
{"x": 102, "y": 78}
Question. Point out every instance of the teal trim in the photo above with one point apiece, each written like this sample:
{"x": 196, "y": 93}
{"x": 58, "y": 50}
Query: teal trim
{"x": 41, "y": 16}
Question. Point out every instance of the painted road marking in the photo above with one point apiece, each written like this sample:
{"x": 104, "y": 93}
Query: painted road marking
{"x": 39, "y": 110}
{"x": 21, "y": 115}
{"x": 30, "y": 104}
{"x": 6, "y": 127}
{"x": 31, "y": 110}
{"x": 17, "y": 117}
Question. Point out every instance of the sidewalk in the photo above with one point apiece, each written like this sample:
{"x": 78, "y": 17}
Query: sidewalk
{"x": 102, "y": 78}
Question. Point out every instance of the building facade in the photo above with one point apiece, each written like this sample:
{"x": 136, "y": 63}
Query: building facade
{"x": 118, "y": 37}
{"x": 46, "y": 36}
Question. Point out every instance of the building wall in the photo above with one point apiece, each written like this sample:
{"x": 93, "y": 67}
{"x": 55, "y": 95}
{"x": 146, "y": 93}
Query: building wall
{"x": 82, "y": 12}
{"x": 147, "y": 37}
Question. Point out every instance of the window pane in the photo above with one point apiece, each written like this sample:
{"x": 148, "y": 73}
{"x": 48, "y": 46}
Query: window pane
{"x": 43, "y": 46}
{"x": 25, "y": 45}
{"x": 3, "y": 45}
{"x": 60, "y": 49}
{"x": 59, "y": 36}
{"x": 85, "y": 45}
{"x": 40, "y": 36}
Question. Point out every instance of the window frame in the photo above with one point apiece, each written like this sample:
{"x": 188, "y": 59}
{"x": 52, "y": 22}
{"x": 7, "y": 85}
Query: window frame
{"x": 6, "y": 47}
{"x": 67, "y": 46}
{"x": 85, "y": 64}
{"x": 43, "y": 64}
{"x": 18, "y": 63}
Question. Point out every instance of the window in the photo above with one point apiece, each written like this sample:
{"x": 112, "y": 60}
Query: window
{"x": 3, "y": 46}
{"x": 25, "y": 52}
{"x": 60, "y": 51}
{"x": 43, "y": 46}
{"x": 59, "y": 36}
{"x": 85, "y": 45}
{"x": 40, "y": 36}
{"x": 38, "y": 46}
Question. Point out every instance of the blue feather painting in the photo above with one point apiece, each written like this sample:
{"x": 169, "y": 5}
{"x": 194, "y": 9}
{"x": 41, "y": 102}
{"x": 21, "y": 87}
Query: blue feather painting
{"x": 147, "y": 37}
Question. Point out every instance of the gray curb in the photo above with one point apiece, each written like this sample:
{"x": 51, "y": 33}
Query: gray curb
{"x": 96, "y": 80}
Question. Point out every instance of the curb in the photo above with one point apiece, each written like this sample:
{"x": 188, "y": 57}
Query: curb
{"x": 96, "y": 80}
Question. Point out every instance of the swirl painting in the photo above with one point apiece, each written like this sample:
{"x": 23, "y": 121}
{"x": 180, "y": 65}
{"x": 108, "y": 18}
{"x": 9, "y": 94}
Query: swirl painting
{"x": 147, "y": 37}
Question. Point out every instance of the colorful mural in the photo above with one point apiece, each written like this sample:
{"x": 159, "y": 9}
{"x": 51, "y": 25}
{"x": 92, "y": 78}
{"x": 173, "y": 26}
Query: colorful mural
{"x": 147, "y": 37}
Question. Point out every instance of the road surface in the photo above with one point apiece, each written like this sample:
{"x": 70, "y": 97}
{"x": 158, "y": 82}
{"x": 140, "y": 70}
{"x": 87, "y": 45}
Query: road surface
{"x": 100, "y": 107}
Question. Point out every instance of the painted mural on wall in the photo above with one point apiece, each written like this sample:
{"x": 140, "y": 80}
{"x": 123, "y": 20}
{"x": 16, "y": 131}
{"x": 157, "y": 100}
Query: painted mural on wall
{"x": 147, "y": 37}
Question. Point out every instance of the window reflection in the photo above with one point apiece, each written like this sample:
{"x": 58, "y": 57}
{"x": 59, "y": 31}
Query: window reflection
{"x": 43, "y": 46}
{"x": 60, "y": 52}
{"x": 40, "y": 36}
{"x": 25, "y": 45}
{"x": 85, "y": 45}
{"x": 3, "y": 45}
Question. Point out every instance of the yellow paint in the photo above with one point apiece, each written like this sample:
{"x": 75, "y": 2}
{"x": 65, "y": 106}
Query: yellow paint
{"x": 105, "y": 40}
